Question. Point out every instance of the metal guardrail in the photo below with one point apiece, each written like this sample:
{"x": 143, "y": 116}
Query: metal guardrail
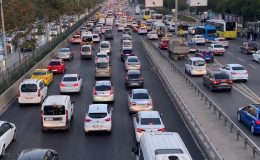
{"x": 240, "y": 135}
{"x": 17, "y": 70}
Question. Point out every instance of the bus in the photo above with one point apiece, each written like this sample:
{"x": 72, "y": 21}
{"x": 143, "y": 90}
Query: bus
{"x": 183, "y": 29}
{"x": 224, "y": 29}
{"x": 147, "y": 14}
{"x": 208, "y": 32}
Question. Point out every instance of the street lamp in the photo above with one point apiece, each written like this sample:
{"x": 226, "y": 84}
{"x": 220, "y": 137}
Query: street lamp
{"x": 176, "y": 18}
{"x": 3, "y": 37}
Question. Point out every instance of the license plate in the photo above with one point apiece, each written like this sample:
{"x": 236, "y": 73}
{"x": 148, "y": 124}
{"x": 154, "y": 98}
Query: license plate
{"x": 48, "y": 119}
{"x": 68, "y": 85}
{"x": 97, "y": 126}
{"x": 223, "y": 84}
{"x": 28, "y": 97}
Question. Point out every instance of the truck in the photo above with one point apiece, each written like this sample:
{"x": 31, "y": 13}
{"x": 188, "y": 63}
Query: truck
{"x": 137, "y": 10}
{"x": 177, "y": 49}
{"x": 248, "y": 48}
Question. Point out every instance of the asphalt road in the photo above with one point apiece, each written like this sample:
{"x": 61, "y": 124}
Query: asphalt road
{"x": 75, "y": 145}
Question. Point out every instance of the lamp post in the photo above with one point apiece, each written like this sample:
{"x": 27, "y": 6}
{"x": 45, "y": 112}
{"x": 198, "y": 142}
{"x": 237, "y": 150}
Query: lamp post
{"x": 176, "y": 18}
{"x": 3, "y": 36}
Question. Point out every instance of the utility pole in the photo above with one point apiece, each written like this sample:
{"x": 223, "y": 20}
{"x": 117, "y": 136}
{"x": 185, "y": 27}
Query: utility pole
{"x": 3, "y": 37}
{"x": 176, "y": 18}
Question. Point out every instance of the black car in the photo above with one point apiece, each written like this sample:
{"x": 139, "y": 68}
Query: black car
{"x": 109, "y": 34}
{"x": 217, "y": 80}
{"x": 125, "y": 53}
{"x": 134, "y": 78}
{"x": 39, "y": 154}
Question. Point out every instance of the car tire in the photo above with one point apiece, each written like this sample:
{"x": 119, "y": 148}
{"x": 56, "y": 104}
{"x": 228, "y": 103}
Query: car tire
{"x": 238, "y": 117}
{"x": 252, "y": 129}
{"x": 2, "y": 152}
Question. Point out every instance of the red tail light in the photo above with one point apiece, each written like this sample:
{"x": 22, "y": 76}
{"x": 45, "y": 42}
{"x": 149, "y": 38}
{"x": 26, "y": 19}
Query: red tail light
{"x": 223, "y": 50}
{"x": 75, "y": 84}
{"x": 133, "y": 103}
{"x": 215, "y": 82}
{"x": 140, "y": 130}
{"x": 87, "y": 120}
{"x": 108, "y": 119}
{"x": 111, "y": 91}
{"x": 39, "y": 93}
{"x": 142, "y": 78}
{"x": 62, "y": 85}
{"x": 161, "y": 129}
{"x": 67, "y": 115}
{"x": 229, "y": 81}
{"x": 149, "y": 103}
{"x": 257, "y": 122}
{"x": 215, "y": 50}
{"x": 94, "y": 91}
{"x": 126, "y": 77}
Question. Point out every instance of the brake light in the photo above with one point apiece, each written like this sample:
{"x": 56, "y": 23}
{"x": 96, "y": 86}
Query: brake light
{"x": 246, "y": 72}
{"x": 62, "y": 85}
{"x": 87, "y": 120}
{"x": 111, "y": 91}
{"x": 215, "y": 82}
{"x": 39, "y": 93}
{"x": 257, "y": 122}
{"x": 229, "y": 81}
{"x": 215, "y": 50}
{"x": 108, "y": 119}
{"x": 75, "y": 84}
{"x": 161, "y": 129}
{"x": 149, "y": 103}
{"x": 140, "y": 130}
{"x": 223, "y": 50}
{"x": 67, "y": 115}
{"x": 133, "y": 103}
{"x": 94, "y": 91}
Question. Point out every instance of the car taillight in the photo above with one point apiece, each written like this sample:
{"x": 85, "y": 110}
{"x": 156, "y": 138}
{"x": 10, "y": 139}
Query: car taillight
{"x": 67, "y": 115}
{"x": 126, "y": 77}
{"x": 39, "y": 93}
{"x": 161, "y": 130}
{"x": 94, "y": 91}
{"x": 215, "y": 82}
{"x": 108, "y": 119}
{"x": 133, "y": 103}
{"x": 234, "y": 73}
{"x": 223, "y": 50}
{"x": 140, "y": 130}
{"x": 75, "y": 84}
{"x": 229, "y": 81}
{"x": 257, "y": 122}
{"x": 246, "y": 72}
{"x": 87, "y": 120}
{"x": 62, "y": 85}
{"x": 149, "y": 103}
{"x": 111, "y": 91}
{"x": 215, "y": 50}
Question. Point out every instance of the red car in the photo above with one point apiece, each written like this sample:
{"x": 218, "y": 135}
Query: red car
{"x": 75, "y": 39}
{"x": 163, "y": 44}
{"x": 57, "y": 66}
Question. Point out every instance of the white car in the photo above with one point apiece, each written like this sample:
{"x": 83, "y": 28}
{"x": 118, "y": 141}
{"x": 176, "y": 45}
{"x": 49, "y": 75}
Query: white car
{"x": 222, "y": 41}
{"x": 71, "y": 83}
{"x": 217, "y": 49}
{"x": 105, "y": 46}
{"x": 256, "y": 56}
{"x": 102, "y": 56}
{"x": 235, "y": 72}
{"x": 65, "y": 53}
{"x": 132, "y": 63}
{"x": 147, "y": 121}
{"x": 96, "y": 38}
{"x": 8, "y": 134}
{"x": 152, "y": 35}
{"x": 195, "y": 66}
{"x": 54, "y": 32}
{"x": 103, "y": 91}
{"x": 120, "y": 27}
{"x": 142, "y": 30}
{"x": 98, "y": 118}
{"x": 198, "y": 39}
{"x": 127, "y": 44}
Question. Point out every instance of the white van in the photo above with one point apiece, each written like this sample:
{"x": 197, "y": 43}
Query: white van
{"x": 87, "y": 38}
{"x": 196, "y": 66}
{"x": 32, "y": 91}
{"x": 161, "y": 146}
{"x": 86, "y": 51}
{"x": 57, "y": 112}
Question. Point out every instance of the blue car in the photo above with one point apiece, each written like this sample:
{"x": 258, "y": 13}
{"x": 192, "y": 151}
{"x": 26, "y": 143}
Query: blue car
{"x": 207, "y": 55}
{"x": 250, "y": 116}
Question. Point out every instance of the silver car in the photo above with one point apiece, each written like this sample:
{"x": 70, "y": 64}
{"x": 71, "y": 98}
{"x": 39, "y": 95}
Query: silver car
{"x": 103, "y": 91}
{"x": 105, "y": 47}
{"x": 71, "y": 83}
{"x": 65, "y": 53}
{"x": 132, "y": 62}
{"x": 139, "y": 100}
{"x": 102, "y": 68}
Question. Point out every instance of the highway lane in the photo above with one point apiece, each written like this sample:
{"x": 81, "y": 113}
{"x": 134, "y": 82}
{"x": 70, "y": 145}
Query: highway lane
{"x": 75, "y": 144}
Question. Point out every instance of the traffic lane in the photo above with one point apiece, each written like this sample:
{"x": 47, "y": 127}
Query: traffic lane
{"x": 162, "y": 102}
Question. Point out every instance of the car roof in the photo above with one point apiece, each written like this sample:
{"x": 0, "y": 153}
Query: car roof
{"x": 31, "y": 80}
{"x": 133, "y": 72}
{"x": 131, "y": 57}
{"x": 102, "y": 53}
{"x": 105, "y": 42}
{"x": 34, "y": 153}
{"x": 139, "y": 91}
{"x": 102, "y": 60}
{"x": 149, "y": 114}
{"x": 55, "y": 99}
{"x": 234, "y": 65}
{"x": 97, "y": 108}
{"x": 70, "y": 75}
{"x": 196, "y": 58}
{"x": 98, "y": 83}
{"x": 85, "y": 45}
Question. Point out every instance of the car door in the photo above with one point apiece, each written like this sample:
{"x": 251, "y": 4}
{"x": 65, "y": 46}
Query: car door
{"x": 8, "y": 133}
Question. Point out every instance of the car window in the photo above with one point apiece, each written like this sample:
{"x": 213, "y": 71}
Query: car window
{"x": 39, "y": 73}
{"x": 132, "y": 60}
{"x": 238, "y": 68}
{"x": 69, "y": 79}
{"x": 86, "y": 49}
{"x": 102, "y": 65}
{"x": 150, "y": 121}
{"x": 2, "y": 130}
{"x": 218, "y": 46}
{"x": 199, "y": 63}
{"x": 102, "y": 56}
{"x": 29, "y": 87}
{"x": 221, "y": 76}
{"x": 54, "y": 110}
{"x": 140, "y": 96}
{"x": 54, "y": 63}
{"x": 252, "y": 111}
{"x": 103, "y": 88}
{"x": 104, "y": 45}
{"x": 7, "y": 126}
{"x": 41, "y": 85}
{"x": 127, "y": 51}
{"x": 134, "y": 75}
{"x": 87, "y": 38}
{"x": 64, "y": 50}
{"x": 97, "y": 115}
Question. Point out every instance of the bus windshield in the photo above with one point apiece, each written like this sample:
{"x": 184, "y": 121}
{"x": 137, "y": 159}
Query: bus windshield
{"x": 230, "y": 26}
{"x": 146, "y": 12}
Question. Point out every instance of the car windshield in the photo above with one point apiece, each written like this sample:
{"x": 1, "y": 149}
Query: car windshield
{"x": 102, "y": 65}
{"x": 54, "y": 63}
{"x": 39, "y": 73}
{"x": 104, "y": 45}
{"x": 199, "y": 63}
{"x": 87, "y": 38}
{"x": 134, "y": 75}
{"x": 140, "y": 96}
{"x": 95, "y": 36}
{"x": 221, "y": 76}
{"x": 85, "y": 49}
{"x": 64, "y": 50}
{"x": 97, "y": 115}
{"x": 238, "y": 68}
{"x": 69, "y": 79}
{"x": 132, "y": 60}
{"x": 150, "y": 121}
{"x": 53, "y": 29}
{"x": 103, "y": 88}
{"x": 218, "y": 46}
{"x": 108, "y": 32}
{"x": 54, "y": 110}
{"x": 29, "y": 88}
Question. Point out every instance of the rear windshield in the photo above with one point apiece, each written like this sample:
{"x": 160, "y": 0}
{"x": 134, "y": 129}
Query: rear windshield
{"x": 69, "y": 79}
{"x": 253, "y": 45}
{"x": 103, "y": 88}
{"x": 39, "y": 73}
{"x": 108, "y": 32}
{"x": 102, "y": 56}
{"x": 104, "y": 45}
{"x": 102, "y": 65}
{"x": 134, "y": 75}
{"x": 54, "y": 63}
{"x": 199, "y": 63}
{"x": 132, "y": 60}
{"x": 150, "y": 121}
{"x": 95, "y": 36}
{"x": 238, "y": 68}
{"x": 97, "y": 115}
{"x": 218, "y": 46}
{"x": 64, "y": 50}
{"x": 221, "y": 76}
{"x": 85, "y": 49}
{"x": 87, "y": 38}
{"x": 140, "y": 96}
{"x": 29, "y": 88}
{"x": 127, "y": 51}
{"x": 127, "y": 44}
{"x": 54, "y": 110}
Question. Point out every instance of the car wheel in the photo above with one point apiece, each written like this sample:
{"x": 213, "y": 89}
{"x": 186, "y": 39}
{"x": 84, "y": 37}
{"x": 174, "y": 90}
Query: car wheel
{"x": 238, "y": 117}
{"x": 3, "y": 152}
{"x": 252, "y": 129}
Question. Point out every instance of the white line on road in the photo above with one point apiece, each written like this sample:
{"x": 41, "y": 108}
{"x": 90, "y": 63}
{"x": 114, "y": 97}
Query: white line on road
{"x": 241, "y": 59}
{"x": 230, "y": 53}
{"x": 252, "y": 66}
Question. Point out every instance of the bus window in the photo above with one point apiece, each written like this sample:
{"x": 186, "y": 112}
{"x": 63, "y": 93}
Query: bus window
{"x": 200, "y": 31}
{"x": 146, "y": 12}
{"x": 211, "y": 32}
{"x": 220, "y": 27}
{"x": 230, "y": 26}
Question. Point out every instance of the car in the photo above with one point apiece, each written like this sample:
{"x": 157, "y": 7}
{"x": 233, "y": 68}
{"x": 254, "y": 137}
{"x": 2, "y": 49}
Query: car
{"x": 65, "y": 53}
{"x": 54, "y": 31}
{"x": 117, "y": 22}
{"x": 134, "y": 24}
{"x": 126, "y": 30}
{"x": 39, "y": 154}
{"x": 86, "y": 51}
{"x": 102, "y": 69}
{"x": 217, "y": 49}
{"x": 221, "y": 40}
{"x": 126, "y": 37}
{"x": 248, "y": 47}
{"x": 236, "y": 72}
{"x": 76, "y": 39}
{"x": 147, "y": 121}
{"x": 96, "y": 31}
{"x": 195, "y": 66}
{"x": 109, "y": 34}
{"x": 142, "y": 30}
{"x": 71, "y": 83}
{"x": 217, "y": 80}
{"x": 198, "y": 39}
{"x": 163, "y": 44}
{"x": 127, "y": 44}
{"x": 102, "y": 56}
{"x": 45, "y": 74}
{"x": 126, "y": 52}
{"x": 8, "y": 134}
{"x": 83, "y": 29}
{"x": 134, "y": 78}
{"x": 96, "y": 38}
{"x": 193, "y": 48}
{"x": 98, "y": 118}
{"x": 105, "y": 46}
{"x": 207, "y": 55}
{"x": 103, "y": 91}
{"x": 171, "y": 27}
{"x": 250, "y": 116}
{"x": 256, "y": 56}
{"x": 132, "y": 62}
{"x": 139, "y": 100}
{"x": 57, "y": 66}
{"x": 152, "y": 35}
{"x": 135, "y": 28}
{"x": 32, "y": 91}
{"x": 120, "y": 27}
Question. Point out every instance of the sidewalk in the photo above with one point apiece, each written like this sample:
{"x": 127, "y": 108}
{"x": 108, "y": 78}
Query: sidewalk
{"x": 224, "y": 141}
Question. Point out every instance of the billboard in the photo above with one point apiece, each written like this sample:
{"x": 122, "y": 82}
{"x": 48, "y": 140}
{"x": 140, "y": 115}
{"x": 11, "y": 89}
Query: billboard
{"x": 153, "y": 3}
{"x": 194, "y": 3}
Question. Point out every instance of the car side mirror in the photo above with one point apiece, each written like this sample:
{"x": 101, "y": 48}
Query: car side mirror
{"x": 135, "y": 151}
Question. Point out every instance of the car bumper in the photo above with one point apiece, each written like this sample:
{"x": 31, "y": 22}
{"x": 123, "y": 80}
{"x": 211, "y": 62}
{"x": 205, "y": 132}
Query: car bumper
{"x": 55, "y": 126}
{"x": 222, "y": 87}
{"x": 133, "y": 67}
{"x": 89, "y": 128}
{"x": 237, "y": 78}
{"x": 99, "y": 75}
{"x": 139, "y": 108}
{"x": 103, "y": 98}
{"x": 134, "y": 84}
{"x": 69, "y": 90}
{"x": 198, "y": 73}
{"x": 34, "y": 100}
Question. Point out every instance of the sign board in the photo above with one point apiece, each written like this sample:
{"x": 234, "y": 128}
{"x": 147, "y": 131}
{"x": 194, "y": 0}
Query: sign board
{"x": 173, "y": 10}
{"x": 194, "y": 3}
{"x": 153, "y": 3}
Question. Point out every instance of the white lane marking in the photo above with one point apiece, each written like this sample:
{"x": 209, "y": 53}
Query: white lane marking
{"x": 230, "y": 53}
{"x": 241, "y": 59}
{"x": 252, "y": 66}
